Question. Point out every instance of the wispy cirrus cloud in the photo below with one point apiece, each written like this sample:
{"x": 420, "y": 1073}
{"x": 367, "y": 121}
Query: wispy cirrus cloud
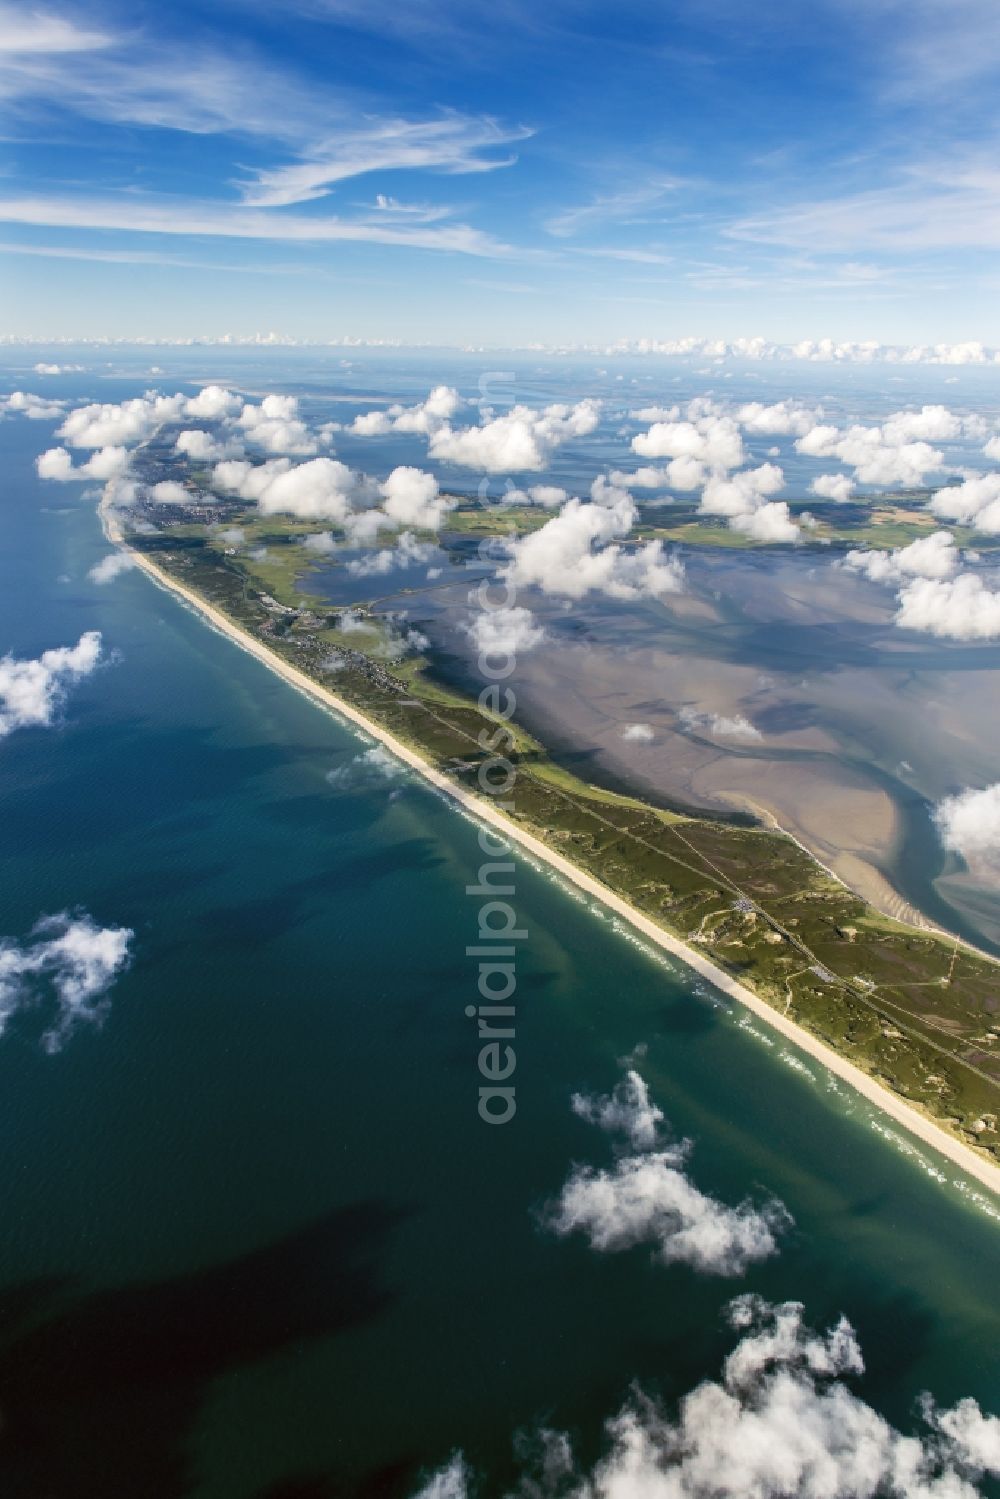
{"x": 937, "y": 205}
{"x": 452, "y": 144}
{"x": 608, "y": 208}
{"x": 25, "y": 34}
{"x": 609, "y": 252}
{"x": 163, "y": 257}
{"x": 311, "y": 137}
{"x": 236, "y": 123}
{"x": 138, "y": 79}
{"x": 931, "y": 49}
{"x": 415, "y": 213}
{"x": 138, "y": 215}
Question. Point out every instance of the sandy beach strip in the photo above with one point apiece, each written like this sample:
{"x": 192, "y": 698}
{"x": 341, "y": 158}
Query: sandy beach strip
{"x": 919, "y": 1125}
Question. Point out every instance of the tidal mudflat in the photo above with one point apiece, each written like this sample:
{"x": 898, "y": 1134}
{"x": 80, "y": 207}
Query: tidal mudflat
{"x": 777, "y": 685}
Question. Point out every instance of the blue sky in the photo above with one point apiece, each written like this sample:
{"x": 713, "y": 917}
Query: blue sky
{"x": 519, "y": 171}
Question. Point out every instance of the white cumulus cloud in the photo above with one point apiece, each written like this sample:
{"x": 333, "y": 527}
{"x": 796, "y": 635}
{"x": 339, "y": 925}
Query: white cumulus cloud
{"x": 410, "y": 497}
{"x": 509, "y": 631}
{"x": 32, "y": 692}
{"x": 548, "y": 496}
{"x": 408, "y": 552}
{"x": 839, "y": 487}
{"x": 105, "y": 463}
{"x": 647, "y": 1197}
{"x": 628, "y": 1110}
{"x": 111, "y": 426}
{"x": 373, "y": 764}
{"x": 522, "y": 440}
{"x": 320, "y": 489}
{"x": 655, "y": 414}
{"x": 782, "y": 1422}
{"x": 69, "y": 960}
{"x": 204, "y": 447}
{"x": 169, "y": 492}
{"x": 934, "y": 556}
{"x": 929, "y": 424}
{"x": 969, "y": 824}
{"x": 212, "y": 403}
{"x": 741, "y": 493}
{"x": 35, "y": 408}
{"x": 423, "y": 419}
{"x": 782, "y": 419}
{"x": 683, "y": 474}
{"x": 771, "y": 522}
{"x": 450, "y": 1482}
{"x": 638, "y": 733}
{"x": 975, "y": 502}
{"x": 722, "y": 726}
{"x": 898, "y": 452}
{"x": 961, "y": 608}
{"x": 370, "y": 424}
{"x": 102, "y": 425}
{"x": 326, "y": 489}
{"x": 275, "y": 426}
{"x": 742, "y": 500}
{"x": 575, "y": 553}
{"x": 111, "y": 567}
{"x": 650, "y": 1199}
{"x": 711, "y": 440}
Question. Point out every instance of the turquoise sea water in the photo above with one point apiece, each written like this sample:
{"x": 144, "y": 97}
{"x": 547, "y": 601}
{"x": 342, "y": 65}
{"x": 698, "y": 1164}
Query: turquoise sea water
{"x": 255, "y": 1240}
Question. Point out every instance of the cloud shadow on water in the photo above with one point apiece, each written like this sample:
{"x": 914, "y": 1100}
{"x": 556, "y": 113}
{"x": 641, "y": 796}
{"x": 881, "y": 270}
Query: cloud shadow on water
{"x": 98, "y": 1396}
{"x": 262, "y": 919}
{"x": 395, "y": 1480}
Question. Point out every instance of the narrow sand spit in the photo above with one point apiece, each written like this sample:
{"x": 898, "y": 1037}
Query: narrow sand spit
{"x": 919, "y": 1125}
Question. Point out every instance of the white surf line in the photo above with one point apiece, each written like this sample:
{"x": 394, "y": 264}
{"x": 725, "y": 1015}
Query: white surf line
{"x": 917, "y": 1124}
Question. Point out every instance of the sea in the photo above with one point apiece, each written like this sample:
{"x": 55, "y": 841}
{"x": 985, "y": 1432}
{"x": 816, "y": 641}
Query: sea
{"x": 256, "y": 1241}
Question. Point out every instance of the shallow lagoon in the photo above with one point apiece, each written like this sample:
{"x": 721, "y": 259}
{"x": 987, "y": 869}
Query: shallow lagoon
{"x": 862, "y": 727}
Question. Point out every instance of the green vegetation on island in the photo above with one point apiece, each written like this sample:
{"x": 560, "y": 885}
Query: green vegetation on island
{"x": 917, "y": 1010}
